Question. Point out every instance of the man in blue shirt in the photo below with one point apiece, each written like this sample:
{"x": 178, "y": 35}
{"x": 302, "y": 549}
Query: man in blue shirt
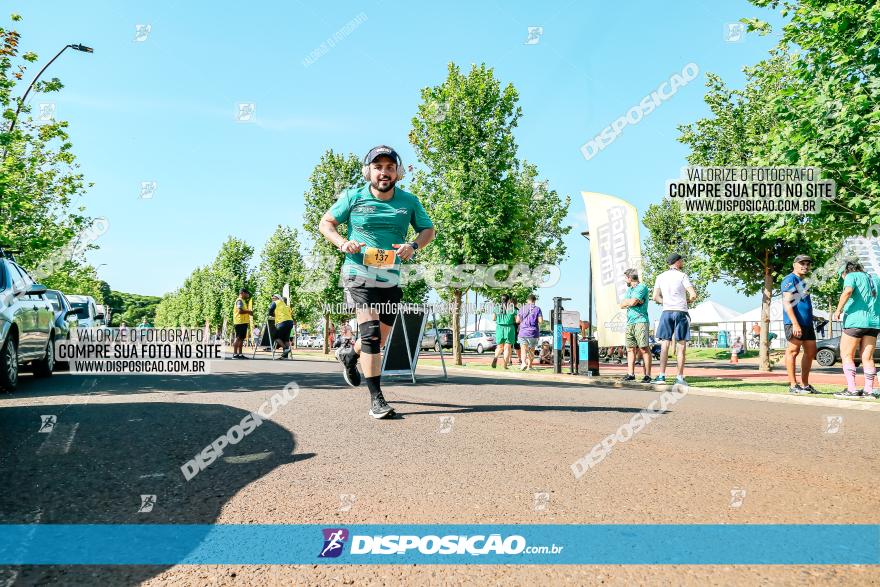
{"x": 797, "y": 318}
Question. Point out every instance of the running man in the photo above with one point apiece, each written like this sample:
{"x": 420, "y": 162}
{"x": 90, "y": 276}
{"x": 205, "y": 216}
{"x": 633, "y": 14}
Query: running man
{"x": 797, "y": 319}
{"x": 636, "y": 304}
{"x": 378, "y": 215}
{"x": 283, "y": 323}
{"x": 241, "y": 319}
{"x": 505, "y": 330}
{"x": 860, "y": 302}
{"x": 674, "y": 291}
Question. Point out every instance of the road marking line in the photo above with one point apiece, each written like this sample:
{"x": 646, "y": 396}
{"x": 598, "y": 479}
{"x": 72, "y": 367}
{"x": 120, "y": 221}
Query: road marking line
{"x": 60, "y": 440}
{"x": 69, "y": 440}
{"x": 239, "y": 459}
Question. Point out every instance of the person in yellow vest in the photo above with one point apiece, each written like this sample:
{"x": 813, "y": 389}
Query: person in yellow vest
{"x": 283, "y": 323}
{"x": 241, "y": 320}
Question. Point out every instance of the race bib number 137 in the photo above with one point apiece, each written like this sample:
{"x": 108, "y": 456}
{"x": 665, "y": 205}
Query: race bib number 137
{"x": 379, "y": 258}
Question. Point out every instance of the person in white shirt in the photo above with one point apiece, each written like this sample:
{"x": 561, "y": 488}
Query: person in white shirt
{"x": 674, "y": 291}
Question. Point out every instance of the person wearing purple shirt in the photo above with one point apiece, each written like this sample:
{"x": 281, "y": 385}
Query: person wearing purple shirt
{"x": 529, "y": 319}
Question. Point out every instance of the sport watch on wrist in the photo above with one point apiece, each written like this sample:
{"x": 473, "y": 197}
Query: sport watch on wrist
{"x": 414, "y": 245}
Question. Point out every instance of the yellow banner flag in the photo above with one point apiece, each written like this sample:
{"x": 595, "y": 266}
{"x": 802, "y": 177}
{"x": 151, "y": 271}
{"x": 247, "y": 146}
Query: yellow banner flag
{"x": 615, "y": 246}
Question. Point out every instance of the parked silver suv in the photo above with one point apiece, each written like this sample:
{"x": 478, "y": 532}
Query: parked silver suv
{"x": 27, "y": 325}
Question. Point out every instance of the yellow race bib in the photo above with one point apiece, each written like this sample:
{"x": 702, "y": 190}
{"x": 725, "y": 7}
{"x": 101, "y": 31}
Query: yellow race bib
{"x": 379, "y": 258}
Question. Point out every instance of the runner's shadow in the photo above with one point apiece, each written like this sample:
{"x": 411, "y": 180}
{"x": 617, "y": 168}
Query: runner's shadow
{"x": 476, "y": 409}
{"x": 97, "y": 461}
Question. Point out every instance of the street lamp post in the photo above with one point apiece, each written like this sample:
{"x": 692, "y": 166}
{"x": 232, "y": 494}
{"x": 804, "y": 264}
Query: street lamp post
{"x": 586, "y": 235}
{"x": 75, "y": 47}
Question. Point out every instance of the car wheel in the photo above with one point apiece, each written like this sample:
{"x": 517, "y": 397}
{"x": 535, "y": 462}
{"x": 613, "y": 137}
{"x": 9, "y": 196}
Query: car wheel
{"x": 45, "y": 366}
{"x": 825, "y": 357}
{"x": 437, "y": 347}
{"x": 461, "y": 348}
{"x": 8, "y": 366}
{"x": 480, "y": 349}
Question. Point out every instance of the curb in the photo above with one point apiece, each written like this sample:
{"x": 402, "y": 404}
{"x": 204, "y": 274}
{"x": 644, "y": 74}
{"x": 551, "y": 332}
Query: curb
{"x": 870, "y": 406}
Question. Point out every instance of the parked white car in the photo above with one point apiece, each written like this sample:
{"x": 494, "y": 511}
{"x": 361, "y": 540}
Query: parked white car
{"x": 480, "y": 341}
{"x": 87, "y": 312}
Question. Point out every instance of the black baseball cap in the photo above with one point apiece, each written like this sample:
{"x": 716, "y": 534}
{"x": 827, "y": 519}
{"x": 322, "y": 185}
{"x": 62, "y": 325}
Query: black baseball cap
{"x": 381, "y": 151}
{"x": 672, "y": 258}
{"x": 800, "y": 258}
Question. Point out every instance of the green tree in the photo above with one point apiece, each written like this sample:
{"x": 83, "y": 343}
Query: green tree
{"x": 131, "y": 308}
{"x": 39, "y": 182}
{"x": 479, "y": 196}
{"x": 334, "y": 173}
{"x": 281, "y": 264}
{"x": 229, "y": 272}
{"x": 208, "y": 293}
{"x": 669, "y": 232}
{"x": 827, "y": 107}
{"x": 752, "y": 252}
{"x": 73, "y": 279}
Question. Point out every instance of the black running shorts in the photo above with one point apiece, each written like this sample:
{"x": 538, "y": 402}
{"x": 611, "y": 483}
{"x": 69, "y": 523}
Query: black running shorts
{"x": 382, "y": 299}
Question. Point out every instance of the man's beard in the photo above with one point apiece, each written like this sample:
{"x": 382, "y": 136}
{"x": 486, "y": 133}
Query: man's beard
{"x": 375, "y": 185}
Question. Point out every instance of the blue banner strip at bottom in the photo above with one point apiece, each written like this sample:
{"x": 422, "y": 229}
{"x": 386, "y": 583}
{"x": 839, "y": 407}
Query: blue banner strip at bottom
{"x": 167, "y": 544}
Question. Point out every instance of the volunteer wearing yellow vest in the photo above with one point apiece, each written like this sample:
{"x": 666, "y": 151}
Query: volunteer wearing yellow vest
{"x": 283, "y": 323}
{"x": 241, "y": 319}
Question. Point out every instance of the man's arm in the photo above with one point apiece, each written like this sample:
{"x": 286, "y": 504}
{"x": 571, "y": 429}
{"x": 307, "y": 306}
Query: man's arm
{"x": 657, "y": 296}
{"x": 328, "y": 229}
{"x": 788, "y": 302}
{"x": 629, "y": 302}
{"x": 405, "y": 250}
{"x": 691, "y": 293}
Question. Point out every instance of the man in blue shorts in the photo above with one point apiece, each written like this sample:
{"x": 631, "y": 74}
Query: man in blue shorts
{"x": 674, "y": 291}
{"x": 797, "y": 320}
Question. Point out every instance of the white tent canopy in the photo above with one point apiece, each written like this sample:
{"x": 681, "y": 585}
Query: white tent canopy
{"x": 709, "y": 312}
{"x": 775, "y": 313}
{"x": 738, "y": 325}
{"x": 706, "y": 316}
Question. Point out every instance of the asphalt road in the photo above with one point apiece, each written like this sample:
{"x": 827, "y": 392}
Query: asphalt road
{"x": 472, "y": 449}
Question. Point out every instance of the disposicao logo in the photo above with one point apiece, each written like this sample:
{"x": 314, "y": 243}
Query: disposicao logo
{"x": 334, "y": 541}
{"x": 443, "y": 545}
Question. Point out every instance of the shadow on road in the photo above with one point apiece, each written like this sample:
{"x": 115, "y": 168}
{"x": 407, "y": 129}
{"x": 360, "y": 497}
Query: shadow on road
{"x": 98, "y": 460}
{"x": 472, "y": 409}
{"x": 311, "y": 374}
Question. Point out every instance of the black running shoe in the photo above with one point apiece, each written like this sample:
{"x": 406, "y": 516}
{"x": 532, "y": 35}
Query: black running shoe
{"x": 379, "y": 408}
{"x": 809, "y": 388}
{"x": 848, "y": 393}
{"x": 797, "y": 389}
{"x": 629, "y": 378}
{"x": 349, "y": 360}
{"x": 647, "y": 379}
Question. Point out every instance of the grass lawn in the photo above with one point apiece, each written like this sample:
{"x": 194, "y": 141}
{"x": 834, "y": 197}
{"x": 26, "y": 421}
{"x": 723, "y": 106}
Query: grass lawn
{"x": 825, "y": 389}
{"x": 717, "y": 354}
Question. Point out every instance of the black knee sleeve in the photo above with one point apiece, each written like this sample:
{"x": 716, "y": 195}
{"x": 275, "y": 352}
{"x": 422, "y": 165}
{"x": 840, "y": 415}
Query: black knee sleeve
{"x": 370, "y": 337}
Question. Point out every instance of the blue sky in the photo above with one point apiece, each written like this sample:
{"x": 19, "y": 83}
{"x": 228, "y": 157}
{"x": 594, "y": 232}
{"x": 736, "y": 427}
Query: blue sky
{"x": 163, "y": 109}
